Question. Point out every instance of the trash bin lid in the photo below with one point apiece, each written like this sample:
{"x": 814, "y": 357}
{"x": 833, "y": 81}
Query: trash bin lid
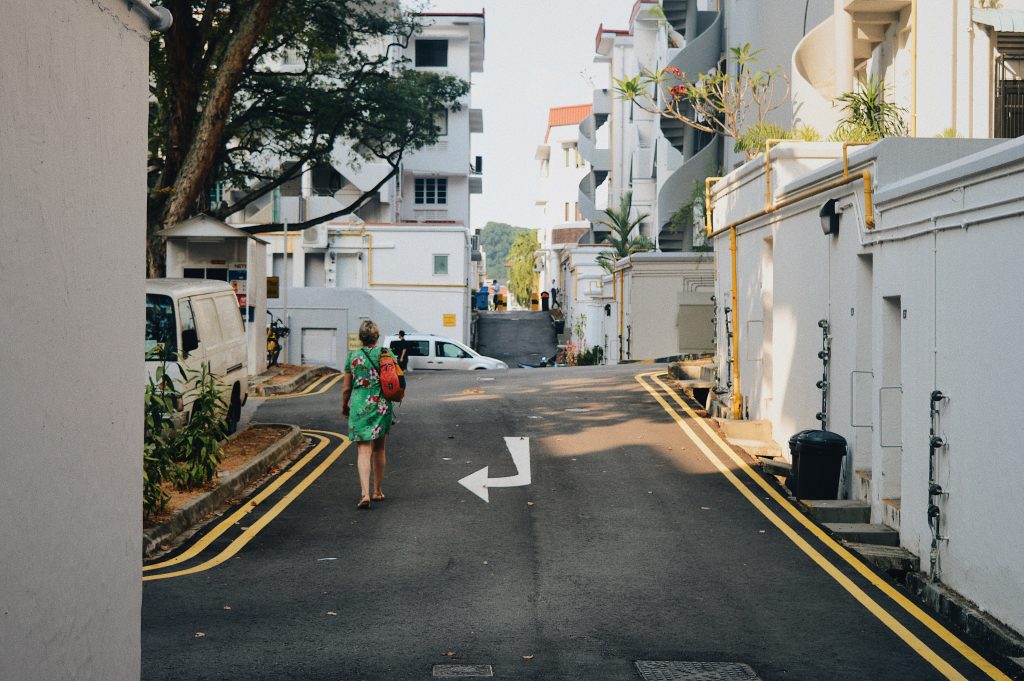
{"x": 818, "y": 438}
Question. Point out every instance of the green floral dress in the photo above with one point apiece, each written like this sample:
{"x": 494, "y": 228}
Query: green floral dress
{"x": 370, "y": 414}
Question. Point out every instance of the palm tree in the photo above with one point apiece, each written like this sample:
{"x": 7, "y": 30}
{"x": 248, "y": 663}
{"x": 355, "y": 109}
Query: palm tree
{"x": 621, "y": 240}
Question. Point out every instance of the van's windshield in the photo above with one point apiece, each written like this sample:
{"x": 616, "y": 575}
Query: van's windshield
{"x": 161, "y": 332}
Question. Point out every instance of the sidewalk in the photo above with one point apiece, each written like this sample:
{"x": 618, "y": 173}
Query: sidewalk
{"x": 285, "y": 378}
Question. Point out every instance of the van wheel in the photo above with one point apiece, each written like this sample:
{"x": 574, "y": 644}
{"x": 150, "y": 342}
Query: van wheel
{"x": 234, "y": 412}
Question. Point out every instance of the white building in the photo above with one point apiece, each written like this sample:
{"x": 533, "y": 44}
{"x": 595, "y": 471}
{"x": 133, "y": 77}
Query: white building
{"x": 407, "y": 258}
{"x": 561, "y": 167}
{"x": 73, "y": 121}
{"x": 906, "y": 290}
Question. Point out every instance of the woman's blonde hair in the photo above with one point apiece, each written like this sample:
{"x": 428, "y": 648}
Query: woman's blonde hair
{"x": 368, "y": 332}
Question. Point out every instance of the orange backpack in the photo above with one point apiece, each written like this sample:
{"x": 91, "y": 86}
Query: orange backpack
{"x": 392, "y": 378}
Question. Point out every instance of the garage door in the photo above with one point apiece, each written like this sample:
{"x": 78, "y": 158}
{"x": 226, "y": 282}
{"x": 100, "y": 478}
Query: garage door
{"x": 319, "y": 346}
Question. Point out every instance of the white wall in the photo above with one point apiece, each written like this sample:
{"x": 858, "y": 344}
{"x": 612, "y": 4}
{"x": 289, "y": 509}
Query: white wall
{"x": 73, "y": 100}
{"x": 923, "y": 301}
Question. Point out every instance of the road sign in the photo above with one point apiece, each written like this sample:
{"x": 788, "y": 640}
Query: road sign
{"x": 449, "y": 320}
{"x": 478, "y": 483}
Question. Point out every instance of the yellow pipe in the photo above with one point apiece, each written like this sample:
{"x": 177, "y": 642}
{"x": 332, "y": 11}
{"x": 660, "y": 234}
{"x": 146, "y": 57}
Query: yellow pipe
{"x": 708, "y": 181}
{"x": 622, "y": 313}
{"x": 846, "y": 161}
{"x": 913, "y": 70}
{"x": 737, "y": 400}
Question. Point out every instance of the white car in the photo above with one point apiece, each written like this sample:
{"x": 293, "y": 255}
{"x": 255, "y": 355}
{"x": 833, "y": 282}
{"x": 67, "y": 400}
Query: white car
{"x": 427, "y": 351}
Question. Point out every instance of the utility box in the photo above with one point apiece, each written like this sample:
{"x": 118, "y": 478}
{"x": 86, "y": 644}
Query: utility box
{"x": 817, "y": 461}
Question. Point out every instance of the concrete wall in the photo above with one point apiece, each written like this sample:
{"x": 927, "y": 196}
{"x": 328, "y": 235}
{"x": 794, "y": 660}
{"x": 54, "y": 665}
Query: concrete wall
{"x": 73, "y": 109}
{"x": 667, "y": 295}
{"x": 923, "y": 301}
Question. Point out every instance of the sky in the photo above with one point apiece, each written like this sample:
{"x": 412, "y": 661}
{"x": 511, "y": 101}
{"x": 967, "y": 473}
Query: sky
{"x": 537, "y": 55}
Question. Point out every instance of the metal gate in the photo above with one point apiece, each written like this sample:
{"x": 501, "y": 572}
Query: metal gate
{"x": 1008, "y": 111}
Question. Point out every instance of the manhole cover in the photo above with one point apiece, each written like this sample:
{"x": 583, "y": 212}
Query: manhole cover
{"x": 661, "y": 670}
{"x": 462, "y": 671}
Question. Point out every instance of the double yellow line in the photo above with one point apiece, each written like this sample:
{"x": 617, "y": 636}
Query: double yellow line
{"x": 317, "y": 387}
{"x": 323, "y": 438}
{"x": 876, "y": 609}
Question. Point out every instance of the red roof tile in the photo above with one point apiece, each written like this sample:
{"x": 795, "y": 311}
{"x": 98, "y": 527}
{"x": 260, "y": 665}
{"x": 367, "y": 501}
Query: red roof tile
{"x": 566, "y": 115}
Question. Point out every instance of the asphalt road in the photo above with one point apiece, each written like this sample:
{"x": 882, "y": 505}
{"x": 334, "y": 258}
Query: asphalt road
{"x": 628, "y": 544}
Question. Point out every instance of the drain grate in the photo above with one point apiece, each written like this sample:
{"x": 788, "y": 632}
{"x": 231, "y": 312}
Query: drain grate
{"x": 462, "y": 671}
{"x": 667, "y": 670}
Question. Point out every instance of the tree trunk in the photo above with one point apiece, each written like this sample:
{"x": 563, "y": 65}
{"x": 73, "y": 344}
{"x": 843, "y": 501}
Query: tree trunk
{"x": 195, "y": 168}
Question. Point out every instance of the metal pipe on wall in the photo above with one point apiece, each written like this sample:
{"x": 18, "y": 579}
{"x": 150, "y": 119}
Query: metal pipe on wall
{"x": 160, "y": 18}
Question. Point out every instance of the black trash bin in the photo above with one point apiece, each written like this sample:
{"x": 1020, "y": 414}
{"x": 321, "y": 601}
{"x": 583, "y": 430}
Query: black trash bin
{"x": 817, "y": 462}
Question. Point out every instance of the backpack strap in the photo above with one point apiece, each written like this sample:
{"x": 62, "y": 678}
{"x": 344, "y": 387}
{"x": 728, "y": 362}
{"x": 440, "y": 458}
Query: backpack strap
{"x": 370, "y": 359}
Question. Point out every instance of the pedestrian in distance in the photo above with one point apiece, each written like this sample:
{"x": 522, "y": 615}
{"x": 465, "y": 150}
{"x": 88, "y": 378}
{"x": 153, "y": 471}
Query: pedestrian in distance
{"x": 369, "y": 414}
{"x": 401, "y": 350}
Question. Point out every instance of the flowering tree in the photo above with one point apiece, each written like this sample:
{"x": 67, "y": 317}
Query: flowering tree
{"x": 724, "y": 101}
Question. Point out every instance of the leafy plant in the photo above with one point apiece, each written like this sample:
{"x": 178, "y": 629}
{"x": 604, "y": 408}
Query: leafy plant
{"x": 162, "y": 398}
{"x": 522, "y": 279}
{"x": 752, "y": 141}
{"x": 949, "y": 133}
{"x": 716, "y": 102}
{"x": 621, "y": 238}
{"x": 867, "y": 117}
{"x": 197, "y": 443}
{"x": 591, "y": 357}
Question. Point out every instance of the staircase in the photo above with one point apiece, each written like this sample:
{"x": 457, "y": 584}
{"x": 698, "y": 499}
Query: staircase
{"x": 699, "y": 151}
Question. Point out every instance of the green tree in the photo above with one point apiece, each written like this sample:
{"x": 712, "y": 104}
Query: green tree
{"x": 495, "y": 240}
{"x": 867, "y": 117}
{"x": 621, "y": 239}
{"x": 248, "y": 93}
{"x": 522, "y": 279}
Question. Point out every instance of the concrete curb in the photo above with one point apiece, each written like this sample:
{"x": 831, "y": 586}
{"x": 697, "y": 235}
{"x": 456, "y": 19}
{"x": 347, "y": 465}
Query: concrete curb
{"x": 229, "y": 487}
{"x": 297, "y": 382}
{"x": 967, "y": 616}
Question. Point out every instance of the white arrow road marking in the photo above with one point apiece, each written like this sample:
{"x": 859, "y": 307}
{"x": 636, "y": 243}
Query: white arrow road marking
{"x": 478, "y": 483}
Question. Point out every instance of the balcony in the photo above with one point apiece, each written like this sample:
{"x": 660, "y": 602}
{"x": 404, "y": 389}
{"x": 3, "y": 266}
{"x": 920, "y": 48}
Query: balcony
{"x": 476, "y": 120}
{"x": 588, "y": 194}
{"x": 871, "y": 20}
{"x": 700, "y": 55}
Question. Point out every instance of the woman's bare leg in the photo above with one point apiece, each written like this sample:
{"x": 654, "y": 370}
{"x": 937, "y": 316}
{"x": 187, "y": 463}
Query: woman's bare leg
{"x": 380, "y": 460}
{"x": 365, "y": 454}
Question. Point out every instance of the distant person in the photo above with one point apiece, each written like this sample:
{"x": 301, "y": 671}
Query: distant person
{"x": 554, "y": 295}
{"x": 401, "y": 350}
{"x": 369, "y": 414}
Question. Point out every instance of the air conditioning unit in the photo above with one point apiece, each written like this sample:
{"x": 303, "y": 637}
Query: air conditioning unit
{"x": 315, "y": 236}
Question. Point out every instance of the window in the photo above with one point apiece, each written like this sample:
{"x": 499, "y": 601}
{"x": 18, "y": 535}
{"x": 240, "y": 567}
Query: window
{"x": 565, "y": 156}
{"x": 441, "y": 264}
{"x": 161, "y": 335}
{"x": 230, "y": 317}
{"x": 579, "y": 215}
{"x": 431, "y": 53}
{"x": 441, "y": 123}
{"x": 566, "y": 216}
{"x": 419, "y": 348}
{"x": 579, "y": 159}
{"x": 545, "y": 168}
{"x": 430, "y": 190}
{"x": 450, "y": 350}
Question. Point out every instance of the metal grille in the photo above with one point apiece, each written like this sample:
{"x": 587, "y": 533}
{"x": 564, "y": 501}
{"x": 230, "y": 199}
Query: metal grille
{"x": 661, "y": 670}
{"x": 462, "y": 671}
{"x": 1009, "y": 100}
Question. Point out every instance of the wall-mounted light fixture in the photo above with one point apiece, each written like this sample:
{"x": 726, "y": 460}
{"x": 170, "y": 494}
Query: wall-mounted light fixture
{"x": 830, "y": 216}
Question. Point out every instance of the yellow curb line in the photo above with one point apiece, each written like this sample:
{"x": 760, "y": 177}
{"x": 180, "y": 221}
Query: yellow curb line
{"x": 308, "y": 390}
{"x": 251, "y": 532}
{"x": 871, "y": 605}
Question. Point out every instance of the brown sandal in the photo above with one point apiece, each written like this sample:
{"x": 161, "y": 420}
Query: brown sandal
{"x": 378, "y": 497}
{"x": 364, "y": 503}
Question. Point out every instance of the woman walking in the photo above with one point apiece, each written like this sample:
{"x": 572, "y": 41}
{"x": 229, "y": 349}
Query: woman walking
{"x": 369, "y": 413}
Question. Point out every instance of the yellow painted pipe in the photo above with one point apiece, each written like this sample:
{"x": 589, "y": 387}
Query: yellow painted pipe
{"x": 846, "y": 160}
{"x": 622, "y": 314}
{"x": 708, "y": 181}
{"x": 737, "y": 399}
{"x": 913, "y": 69}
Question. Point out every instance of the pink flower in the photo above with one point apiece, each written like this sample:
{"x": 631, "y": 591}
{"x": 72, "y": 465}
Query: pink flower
{"x": 373, "y": 399}
{"x": 358, "y": 362}
{"x": 382, "y": 408}
{"x": 362, "y": 383}
{"x": 674, "y": 71}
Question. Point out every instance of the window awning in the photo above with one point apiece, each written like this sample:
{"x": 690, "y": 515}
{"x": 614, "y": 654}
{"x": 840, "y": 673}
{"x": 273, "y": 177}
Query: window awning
{"x": 1002, "y": 20}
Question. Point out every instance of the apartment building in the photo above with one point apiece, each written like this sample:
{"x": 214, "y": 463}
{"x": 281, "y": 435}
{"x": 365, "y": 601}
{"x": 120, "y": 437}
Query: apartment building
{"x": 407, "y": 258}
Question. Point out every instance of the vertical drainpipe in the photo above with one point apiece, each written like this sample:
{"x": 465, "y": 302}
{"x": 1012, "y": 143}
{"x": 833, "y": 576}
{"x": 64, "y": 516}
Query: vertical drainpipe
{"x": 737, "y": 400}
{"x": 913, "y": 69}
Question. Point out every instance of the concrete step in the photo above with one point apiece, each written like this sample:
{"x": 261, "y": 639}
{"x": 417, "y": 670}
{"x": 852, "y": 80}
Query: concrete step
{"x": 864, "y": 485}
{"x": 775, "y": 466}
{"x": 838, "y": 510}
{"x": 887, "y": 557}
{"x": 891, "y": 513}
{"x": 865, "y": 533}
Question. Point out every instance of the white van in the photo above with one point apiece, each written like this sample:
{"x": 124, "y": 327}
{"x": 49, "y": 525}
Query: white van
{"x": 427, "y": 351}
{"x": 192, "y": 322}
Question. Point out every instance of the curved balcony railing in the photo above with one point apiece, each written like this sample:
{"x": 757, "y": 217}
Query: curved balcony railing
{"x": 599, "y": 159}
{"x": 588, "y": 194}
{"x": 814, "y": 72}
{"x": 679, "y": 189}
{"x": 699, "y": 56}
{"x": 700, "y": 151}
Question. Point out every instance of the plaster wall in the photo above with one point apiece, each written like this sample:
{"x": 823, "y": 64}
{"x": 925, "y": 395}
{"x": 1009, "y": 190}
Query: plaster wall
{"x": 916, "y": 304}
{"x": 666, "y": 297}
{"x": 73, "y": 110}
